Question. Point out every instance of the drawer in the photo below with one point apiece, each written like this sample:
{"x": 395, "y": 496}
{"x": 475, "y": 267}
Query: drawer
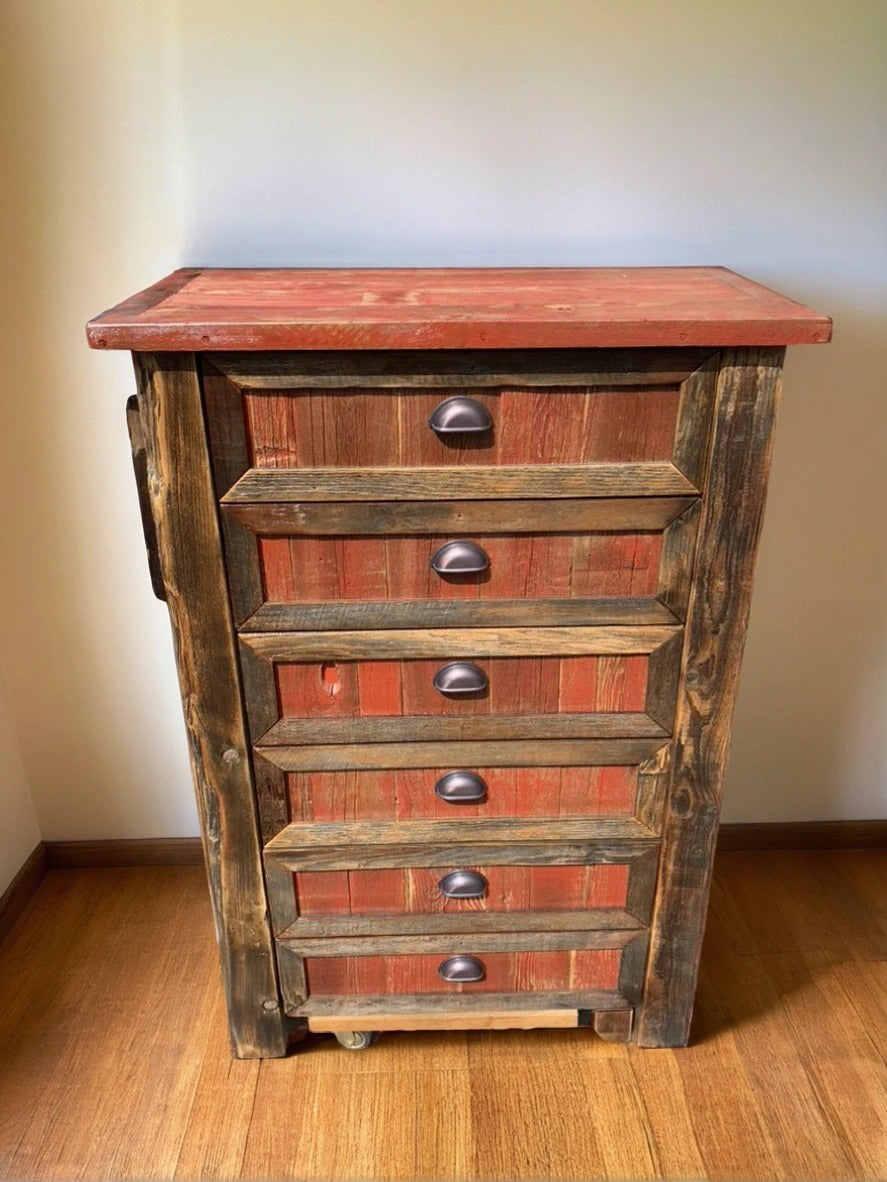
{"x": 418, "y": 793}
{"x": 459, "y": 889}
{"x": 400, "y": 564}
{"x": 398, "y": 686}
{"x": 501, "y": 972}
{"x": 388, "y": 429}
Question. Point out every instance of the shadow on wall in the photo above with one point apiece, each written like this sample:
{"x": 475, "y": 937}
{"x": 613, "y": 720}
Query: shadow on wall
{"x": 810, "y": 721}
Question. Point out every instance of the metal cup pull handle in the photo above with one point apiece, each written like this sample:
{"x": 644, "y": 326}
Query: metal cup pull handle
{"x": 463, "y": 884}
{"x": 461, "y": 788}
{"x": 460, "y": 416}
{"x": 460, "y": 558}
{"x": 459, "y": 969}
{"x": 460, "y": 677}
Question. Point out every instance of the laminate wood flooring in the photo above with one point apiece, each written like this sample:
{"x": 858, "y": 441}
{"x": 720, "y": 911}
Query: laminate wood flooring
{"x": 114, "y": 1059}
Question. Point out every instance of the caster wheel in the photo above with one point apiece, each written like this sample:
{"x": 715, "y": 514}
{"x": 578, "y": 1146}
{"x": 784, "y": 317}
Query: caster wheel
{"x": 355, "y": 1040}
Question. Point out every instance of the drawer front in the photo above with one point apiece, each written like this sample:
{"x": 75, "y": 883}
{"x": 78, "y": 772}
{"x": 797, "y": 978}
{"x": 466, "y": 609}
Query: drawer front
{"x": 383, "y": 428}
{"x": 540, "y": 566}
{"x": 503, "y": 972}
{"x": 409, "y": 793}
{"x": 514, "y": 686}
{"x": 428, "y": 891}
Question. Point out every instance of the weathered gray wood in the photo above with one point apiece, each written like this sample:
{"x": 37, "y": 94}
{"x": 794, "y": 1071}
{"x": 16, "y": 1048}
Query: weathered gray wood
{"x": 404, "y": 644}
{"x": 658, "y": 479}
{"x": 343, "y": 616}
{"x": 662, "y": 682}
{"x": 421, "y": 1003}
{"x": 459, "y": 517}
{"x": 676, "y": 563}
{"x": 748, "y": 390}
{"x": 597, "y": 919}
{"x": 421, "y": 945}
{"x": 477, "y": 727}
{"x": 457, "y": 368}
{"x": 270, "y": 796}
{"x": 642, "y": 885}
{"x": 694, "y": 421}
{"x": 537, "y": 753}
{"x": 183, "y": 507}
{"x": 653, "y": 781}
{"x": 140, "y": 470}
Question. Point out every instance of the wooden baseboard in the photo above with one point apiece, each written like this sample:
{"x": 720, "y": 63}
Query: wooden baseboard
{"x": 803, "y": 835}
{"x": 17, "y": 895}
{"x": 142, "y": 851}
{"x": 187, "y": 851}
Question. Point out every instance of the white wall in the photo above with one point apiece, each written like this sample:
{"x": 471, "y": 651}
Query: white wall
{"x": 154, "y": 134}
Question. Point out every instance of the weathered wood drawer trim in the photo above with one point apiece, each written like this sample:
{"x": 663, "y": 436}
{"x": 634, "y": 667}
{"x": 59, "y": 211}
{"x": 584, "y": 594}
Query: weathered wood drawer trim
{"x": 572, "y": 516}
{"x": 343, "y": 926}
{"x": 452, "y": 643}
{"x": 453, "y": 368}
{"x": 538, "y": 753}
{"x": 565, "y": 941}
{"x": 367, "y": 1006}
{"x": 654, "y": 479}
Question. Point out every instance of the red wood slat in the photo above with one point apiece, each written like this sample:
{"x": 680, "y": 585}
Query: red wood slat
{"x": 506, "y": 972}
{"x": 447, "y": 308}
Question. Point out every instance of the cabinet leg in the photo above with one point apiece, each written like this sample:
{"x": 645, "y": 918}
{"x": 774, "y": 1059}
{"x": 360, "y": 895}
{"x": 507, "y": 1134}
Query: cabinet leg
{"x": 614, "y": 1025}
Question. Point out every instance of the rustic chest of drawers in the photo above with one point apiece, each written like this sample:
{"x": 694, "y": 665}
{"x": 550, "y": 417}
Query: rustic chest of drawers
{"x": 459, "y": 567}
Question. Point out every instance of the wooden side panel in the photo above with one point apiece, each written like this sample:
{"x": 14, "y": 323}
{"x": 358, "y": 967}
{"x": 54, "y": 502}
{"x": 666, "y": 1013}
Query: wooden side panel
{"x": 506, "y": 972}
{"x": 373, "y": 428}
{"x": 408, "y": 793}
{"x": 541, "y": 566}
{"x": 517, "y": 686}
{"x": 183, "y": 505}
{"x": 416, "y": 891}
{"x": 732, "y": 510}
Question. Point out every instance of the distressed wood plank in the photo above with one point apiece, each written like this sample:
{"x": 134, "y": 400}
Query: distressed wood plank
{"x": 476, "y": 1020}
{"x": 183, "y": 505}
{"x": 732, "y": 510}
{"x": 655, "y": 479}
{"x": 330, "y": 926}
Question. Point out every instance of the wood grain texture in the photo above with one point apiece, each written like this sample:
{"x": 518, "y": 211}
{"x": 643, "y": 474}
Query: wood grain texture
{"x": 791, "y": 1012}
{"x": 183, "y": 505}
{"x": 22, "y": 888}
{"x": 479, "y": 1020}
{"x": 555, "y": 424}
{"x": 408, "y": 793}
{"x": 521, "y": 482}
{"x": 500, "y": 308}
{"x": 732, "y": 510}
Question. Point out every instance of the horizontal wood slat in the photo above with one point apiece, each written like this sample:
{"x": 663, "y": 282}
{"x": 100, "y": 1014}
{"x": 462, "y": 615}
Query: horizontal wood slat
{"x": 416, "y": 729}
{"x": 575, "y": 515}
{"x": 482, "y": 942}
{"x": 538, "y": 753}
{"x": 478, "y": 1020}
{"x": 341, "y": 926}
{"x": 454, "y": 613}
{"x": 656, "y": 479}
{"x": 403, "y": 644}
{"x": 620, "y": 838}
{"x": 466, "y": 367}
{"x": 419, "y": 1004}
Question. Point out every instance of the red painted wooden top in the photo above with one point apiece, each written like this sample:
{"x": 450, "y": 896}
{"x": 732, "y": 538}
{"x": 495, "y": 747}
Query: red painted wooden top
{"x": 478, "y": 308}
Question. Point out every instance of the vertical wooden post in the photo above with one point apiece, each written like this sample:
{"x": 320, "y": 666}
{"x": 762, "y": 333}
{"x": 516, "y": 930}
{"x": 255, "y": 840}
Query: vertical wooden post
{"x": 184, "y": 509}
{"x": 732, "y": 510}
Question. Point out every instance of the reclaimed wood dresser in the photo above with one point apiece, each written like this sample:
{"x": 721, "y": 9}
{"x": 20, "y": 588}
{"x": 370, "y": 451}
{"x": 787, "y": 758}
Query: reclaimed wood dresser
{"x": 459, "y": 567}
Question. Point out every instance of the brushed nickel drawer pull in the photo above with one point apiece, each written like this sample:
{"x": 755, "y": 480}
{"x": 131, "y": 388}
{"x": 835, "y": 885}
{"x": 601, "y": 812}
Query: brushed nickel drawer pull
{"x": 460, "y": 558}
{"x": 461, "y": 788}
{"x": 460, "y": 416}
{"x": 463, "y": 884}
{"x": 459, "y": 969}
{"x": 460, "y": 677}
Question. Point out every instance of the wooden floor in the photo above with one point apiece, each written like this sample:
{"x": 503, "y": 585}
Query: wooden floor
{"x": 114, "y": 1059}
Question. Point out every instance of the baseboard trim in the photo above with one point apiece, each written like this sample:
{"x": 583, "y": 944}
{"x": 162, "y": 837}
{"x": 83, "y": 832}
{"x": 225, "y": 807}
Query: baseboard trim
{"x": 187, "y": 851}
{"x": 142, "y": 851}
{"x": 803, "y": 835}
{"x": 18, "y": 894}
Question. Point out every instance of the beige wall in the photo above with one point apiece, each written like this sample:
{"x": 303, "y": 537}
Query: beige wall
{"x": 19, "y": 831}
{"x": 152, "y": 134}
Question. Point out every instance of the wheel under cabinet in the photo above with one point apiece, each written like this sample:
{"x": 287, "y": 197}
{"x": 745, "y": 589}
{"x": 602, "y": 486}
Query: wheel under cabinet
{"x": 355, "y": 1040}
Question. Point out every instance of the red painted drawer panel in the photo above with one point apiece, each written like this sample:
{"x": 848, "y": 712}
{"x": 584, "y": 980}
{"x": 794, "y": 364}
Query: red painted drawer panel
{"x": 403, "y": 794}
{"x": 506, "y": 972}
{"x": 522, "y": 566}
{"x": 517, "y": 685}
{"x": 378, "y": 428}
{"x": 417, "y": 891}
